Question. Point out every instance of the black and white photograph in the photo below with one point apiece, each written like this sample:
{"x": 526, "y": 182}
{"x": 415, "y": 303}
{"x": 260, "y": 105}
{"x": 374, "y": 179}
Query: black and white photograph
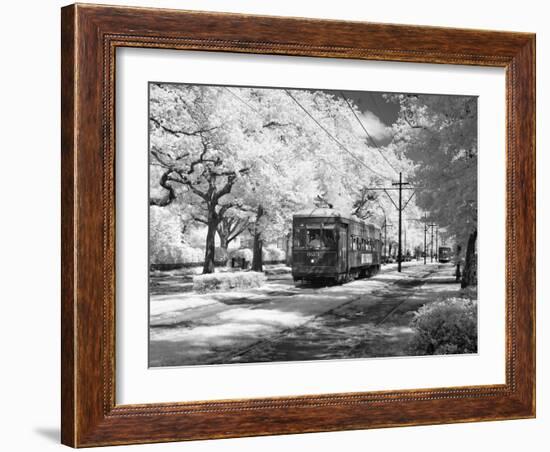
{"x": 290, "y": 224}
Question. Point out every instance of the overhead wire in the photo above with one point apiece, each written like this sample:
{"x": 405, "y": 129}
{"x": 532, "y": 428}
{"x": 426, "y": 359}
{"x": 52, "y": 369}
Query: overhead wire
{"x": 318, "y": 124}
{"x": 258, "y": 112}
{"x": 242, "y": 100}
{"x": 375, "y": 144}
{"x": 340, "y": 145}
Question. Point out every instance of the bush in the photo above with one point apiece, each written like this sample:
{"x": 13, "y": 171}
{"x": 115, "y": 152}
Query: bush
{"x": 165, "y": 236}
{"x": 191, "y": 255}
{"x": 242, "y": 253}
{"x": 445, "y": 327}
{"x": 272, "y": 253}
{"x": 227, "y": 281}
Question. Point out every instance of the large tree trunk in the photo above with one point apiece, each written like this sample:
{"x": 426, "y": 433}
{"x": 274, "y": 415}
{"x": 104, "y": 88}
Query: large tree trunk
{"x": 224, "y": 245}
{"x": 210, "y": 244}
{"x": 223, "y": 233}
{"x": 469, "y": 274}
{"x": 257, "y": 262}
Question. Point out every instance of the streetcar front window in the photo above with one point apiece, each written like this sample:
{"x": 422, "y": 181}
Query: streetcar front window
{"x": 314, "y": 237}
{"x": 318, "y": 237}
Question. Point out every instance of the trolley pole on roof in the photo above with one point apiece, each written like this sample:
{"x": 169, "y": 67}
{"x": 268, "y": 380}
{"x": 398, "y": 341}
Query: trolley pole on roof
{"x": 400, "y": 209}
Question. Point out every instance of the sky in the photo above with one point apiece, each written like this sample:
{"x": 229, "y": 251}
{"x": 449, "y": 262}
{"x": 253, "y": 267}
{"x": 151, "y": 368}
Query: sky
{"x": 378, "y": 115}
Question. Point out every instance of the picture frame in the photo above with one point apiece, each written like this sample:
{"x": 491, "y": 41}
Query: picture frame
{"x": 90, "y": 36}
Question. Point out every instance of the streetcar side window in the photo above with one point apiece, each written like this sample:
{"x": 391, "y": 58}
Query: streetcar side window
{"x": 328, "y": 236}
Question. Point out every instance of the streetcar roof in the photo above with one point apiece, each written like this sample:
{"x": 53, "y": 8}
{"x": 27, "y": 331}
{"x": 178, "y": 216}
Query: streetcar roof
{"x": 320, "y": 212}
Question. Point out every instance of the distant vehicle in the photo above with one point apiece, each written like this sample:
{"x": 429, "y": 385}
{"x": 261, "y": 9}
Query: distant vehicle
{"x": 444, "y": 254}
{"x": 329, "y": 246}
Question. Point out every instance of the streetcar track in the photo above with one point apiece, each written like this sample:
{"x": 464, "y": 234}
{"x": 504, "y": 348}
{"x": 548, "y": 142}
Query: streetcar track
{"x": 229, "y": 357}
{"x": 258, "y": 304}
{"x": 282, "y": 333}
{"x": 387, "y": 316}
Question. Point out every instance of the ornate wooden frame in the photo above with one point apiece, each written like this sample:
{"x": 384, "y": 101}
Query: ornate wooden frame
{"x": 90, "y": 35}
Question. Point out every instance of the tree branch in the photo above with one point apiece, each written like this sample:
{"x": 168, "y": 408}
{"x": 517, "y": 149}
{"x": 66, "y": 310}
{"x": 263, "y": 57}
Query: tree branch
{"x": 178, "y": 132}
{"x": 276, "y": 124}
{"x": 237, "y": 230}
{"x": 200, "y": 220}
{"x": 231, "y": 178}
{"x": 169, "y": 197}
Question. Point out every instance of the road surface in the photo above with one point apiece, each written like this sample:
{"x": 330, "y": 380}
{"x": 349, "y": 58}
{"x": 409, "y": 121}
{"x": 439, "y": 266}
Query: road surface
{"x": 282, "y": 322}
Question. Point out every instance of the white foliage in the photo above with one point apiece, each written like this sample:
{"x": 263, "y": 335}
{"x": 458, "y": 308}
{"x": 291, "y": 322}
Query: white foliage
{"x": 258, "y": 147}
{"x": 439, "y": 133}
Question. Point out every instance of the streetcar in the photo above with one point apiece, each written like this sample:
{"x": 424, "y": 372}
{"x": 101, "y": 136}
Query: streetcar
{"x": 444, "y": 254}
{"x": 328, "y": 246}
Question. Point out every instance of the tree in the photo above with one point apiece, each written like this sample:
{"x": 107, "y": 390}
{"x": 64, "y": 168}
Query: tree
{"x": 306, "y": 164}
{"x": 229, "y": 228}
{"x": 202, "y": 141}
{"x": 365, "y": 204}
{"x": 166, "y": 238}
{"x": 439, "y": 134}
{"x": 234, "y": 158}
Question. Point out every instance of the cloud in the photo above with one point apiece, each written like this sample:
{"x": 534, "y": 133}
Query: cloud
{"x": 376, "y": 128}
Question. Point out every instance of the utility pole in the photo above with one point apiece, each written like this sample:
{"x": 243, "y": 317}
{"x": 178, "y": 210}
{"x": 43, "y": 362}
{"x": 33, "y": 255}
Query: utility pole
{"x": 400, "y": 209}
{"x": 385, "y": 238}
{"x": 400, "y": 206}
{"x": 432, "y": 226}
{"x": 405, "y": 239}
{"x": 432, "y": 243}
{"x": 437, "y": 244}
{"x": 385, "y": 227}
{"x": 425, "y": 231}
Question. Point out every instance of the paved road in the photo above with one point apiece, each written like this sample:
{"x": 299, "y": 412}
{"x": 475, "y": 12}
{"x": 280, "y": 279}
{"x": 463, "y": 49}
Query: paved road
{"x": 281, "y": 322}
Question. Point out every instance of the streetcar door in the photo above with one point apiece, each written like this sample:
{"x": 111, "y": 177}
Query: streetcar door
{"x": 343, "y": 247}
